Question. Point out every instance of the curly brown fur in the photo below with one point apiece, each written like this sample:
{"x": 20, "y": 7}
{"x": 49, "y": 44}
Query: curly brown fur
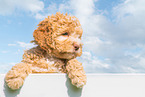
{"x": 59, "y": 42}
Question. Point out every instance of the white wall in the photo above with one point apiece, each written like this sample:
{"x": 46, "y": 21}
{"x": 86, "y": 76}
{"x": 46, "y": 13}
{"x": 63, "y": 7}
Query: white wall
{"x": 98, "y": 85}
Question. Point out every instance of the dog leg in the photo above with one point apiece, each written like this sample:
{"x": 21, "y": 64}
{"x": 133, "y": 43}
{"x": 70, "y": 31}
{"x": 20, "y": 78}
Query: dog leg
{"x": 16, "y": 76}
{"x": 76, "y": 73}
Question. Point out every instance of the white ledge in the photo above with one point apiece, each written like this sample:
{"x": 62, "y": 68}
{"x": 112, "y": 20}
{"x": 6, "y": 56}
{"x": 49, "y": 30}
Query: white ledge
{"x": 58, "y": 85}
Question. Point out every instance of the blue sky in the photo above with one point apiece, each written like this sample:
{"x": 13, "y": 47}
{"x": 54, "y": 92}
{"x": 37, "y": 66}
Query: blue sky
{"x": 114, "y": 31}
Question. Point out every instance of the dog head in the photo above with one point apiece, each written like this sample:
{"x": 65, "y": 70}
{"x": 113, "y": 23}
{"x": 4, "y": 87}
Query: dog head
{"x": 60, "y": 35}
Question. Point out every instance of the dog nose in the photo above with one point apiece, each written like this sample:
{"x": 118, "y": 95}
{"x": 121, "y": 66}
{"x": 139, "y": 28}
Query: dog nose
{"x": 76, "y": 47}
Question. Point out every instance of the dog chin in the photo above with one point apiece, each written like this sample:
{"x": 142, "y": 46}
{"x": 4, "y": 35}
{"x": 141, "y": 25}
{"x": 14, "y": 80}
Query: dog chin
{"x": 66, "y": 55}
{"x": 71, "y": 55}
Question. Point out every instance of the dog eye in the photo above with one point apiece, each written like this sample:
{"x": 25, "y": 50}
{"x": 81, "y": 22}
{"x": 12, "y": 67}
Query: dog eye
{"x": 66, "y": 34}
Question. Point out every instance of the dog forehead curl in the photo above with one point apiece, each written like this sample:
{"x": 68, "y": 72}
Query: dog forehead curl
{"x": 60, "y": 35}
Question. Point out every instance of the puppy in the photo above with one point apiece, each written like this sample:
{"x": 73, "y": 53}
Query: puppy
{"x": 58, "y": 40}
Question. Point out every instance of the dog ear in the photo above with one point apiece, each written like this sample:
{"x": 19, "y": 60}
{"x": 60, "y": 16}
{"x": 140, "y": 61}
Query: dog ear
{"x": 43, "y": 35}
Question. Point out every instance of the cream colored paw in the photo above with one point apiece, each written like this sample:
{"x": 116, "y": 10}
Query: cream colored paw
{"x": 15, "y": 83}
{"x": 80, "y": 85}
{"x": 79, "y": 82}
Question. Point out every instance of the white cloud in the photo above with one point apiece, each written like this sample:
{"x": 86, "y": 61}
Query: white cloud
{"x": 11, "y": 44}
{"x": 4, "y": 51}
{"x": 83, "y": 7}
{"x": 130, "y": 22}
{"x": 53, "y": 8}
{"x": 129, "y": 8}
{"x": 12, "y": 63}
{"x": 25, "y": 45}
{"x": 20, "y": 47}
{"x": 10, "y": 6}
{"x": 92, "y": 63}
{"x": 118, "y": 41}
{"x": 5, "y": 67}
{"x": 40, "y": 16}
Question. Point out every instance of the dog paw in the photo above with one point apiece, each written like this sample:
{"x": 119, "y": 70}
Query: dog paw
{"x": 79, "y": 82}
{"x": 15, "y": 83}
